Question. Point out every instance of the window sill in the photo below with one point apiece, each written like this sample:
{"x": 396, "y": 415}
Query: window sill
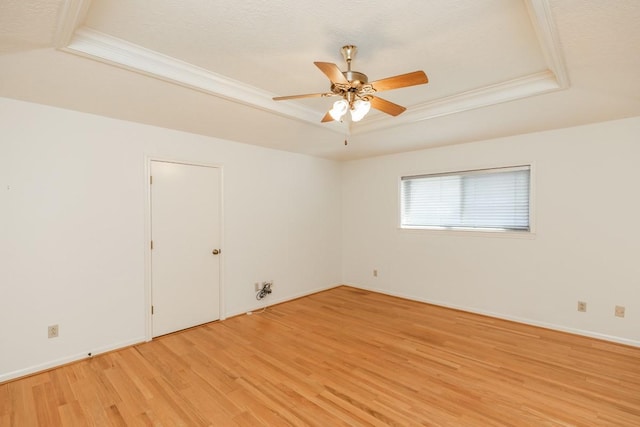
{"x": 470, "y": 232}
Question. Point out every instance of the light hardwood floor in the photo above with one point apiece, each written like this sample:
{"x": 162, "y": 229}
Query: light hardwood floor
{"x": 342, "y": 357}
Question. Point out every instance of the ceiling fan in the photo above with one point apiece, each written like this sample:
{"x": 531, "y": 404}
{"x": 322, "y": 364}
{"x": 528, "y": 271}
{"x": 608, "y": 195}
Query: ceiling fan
{"x": 357, "y": 94}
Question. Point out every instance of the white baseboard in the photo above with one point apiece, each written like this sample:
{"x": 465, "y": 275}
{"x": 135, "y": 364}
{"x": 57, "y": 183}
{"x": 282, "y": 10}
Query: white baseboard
{"x": 67, "y": 359}
{"x": 83, "y": 355}
{"x": 555, "y": 327}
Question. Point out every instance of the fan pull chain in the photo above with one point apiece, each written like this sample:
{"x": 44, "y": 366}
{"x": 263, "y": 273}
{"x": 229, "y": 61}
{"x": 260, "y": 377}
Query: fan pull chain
{"x": 347, "y": 131}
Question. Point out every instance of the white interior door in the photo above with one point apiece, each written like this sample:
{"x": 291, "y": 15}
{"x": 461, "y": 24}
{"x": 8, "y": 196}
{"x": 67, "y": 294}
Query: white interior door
{"x": 185, "y": 231}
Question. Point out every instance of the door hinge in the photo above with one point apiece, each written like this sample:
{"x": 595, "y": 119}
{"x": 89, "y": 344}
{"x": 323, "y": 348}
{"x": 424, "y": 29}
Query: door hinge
{"x": 152, "y": 245}
{"x": 151, "y": 309}
{"x": 150, "y": 179}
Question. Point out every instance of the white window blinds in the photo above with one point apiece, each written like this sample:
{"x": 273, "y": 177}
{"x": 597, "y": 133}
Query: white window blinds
{"x": 495, "y": 199}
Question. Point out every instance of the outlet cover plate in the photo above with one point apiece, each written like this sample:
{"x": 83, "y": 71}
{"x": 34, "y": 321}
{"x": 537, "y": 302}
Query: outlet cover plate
{"x": 52, "y": 331}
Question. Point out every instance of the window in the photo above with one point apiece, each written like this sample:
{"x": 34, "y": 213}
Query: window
{"x": 487, "y": 199}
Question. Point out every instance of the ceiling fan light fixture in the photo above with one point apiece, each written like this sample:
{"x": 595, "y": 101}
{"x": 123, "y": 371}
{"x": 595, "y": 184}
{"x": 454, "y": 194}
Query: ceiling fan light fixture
{"x": 360, "y": 109}
{"x": 357, "y": 92}
{"x": 339, "y": 109}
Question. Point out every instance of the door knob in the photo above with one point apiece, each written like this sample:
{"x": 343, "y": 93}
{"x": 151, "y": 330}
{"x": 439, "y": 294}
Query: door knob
{"x": 216, "y": 251}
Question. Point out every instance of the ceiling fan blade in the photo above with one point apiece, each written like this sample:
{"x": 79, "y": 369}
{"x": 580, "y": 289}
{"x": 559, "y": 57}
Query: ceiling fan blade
{"x": 307, "y": 95}
{"x": 327, "y": 118}
{"x": 403, "y": 80}
{"x": 332, "y": 71}
{"x": 386, "y": 106}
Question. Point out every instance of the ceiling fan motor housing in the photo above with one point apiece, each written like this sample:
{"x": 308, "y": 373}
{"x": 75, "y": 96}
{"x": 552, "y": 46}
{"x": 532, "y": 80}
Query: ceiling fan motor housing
{"x": 357, "y": 86}
{"x": 355, "y": 77}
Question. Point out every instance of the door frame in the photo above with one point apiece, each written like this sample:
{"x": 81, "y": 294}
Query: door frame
{"x": 147, "y": 237}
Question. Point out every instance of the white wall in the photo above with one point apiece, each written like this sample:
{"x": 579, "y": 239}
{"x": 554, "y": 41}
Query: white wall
{"x": 72, "y": 228}
{"x": 586, "y": 244}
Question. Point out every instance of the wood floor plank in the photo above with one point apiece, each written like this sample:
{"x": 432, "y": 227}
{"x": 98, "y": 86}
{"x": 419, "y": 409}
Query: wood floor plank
{"x": 343, "y": 357}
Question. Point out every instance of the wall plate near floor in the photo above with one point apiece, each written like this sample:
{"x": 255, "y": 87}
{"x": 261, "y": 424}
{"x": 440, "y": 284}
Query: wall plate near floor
{"x": 52, "y": 331}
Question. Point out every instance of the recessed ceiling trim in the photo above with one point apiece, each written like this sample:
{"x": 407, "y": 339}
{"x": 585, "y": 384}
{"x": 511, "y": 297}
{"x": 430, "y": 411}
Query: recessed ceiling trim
{"x": 544, "y": 25}
{"x": 72, "y": 14}
{"x": 523, "y": 87}
{"x": 105, "y": 48}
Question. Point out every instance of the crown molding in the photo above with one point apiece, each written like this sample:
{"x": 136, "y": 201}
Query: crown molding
{"x": 111, "y": 50}
{"x": 549, "y": 40}
{"x": 523, "y": 87}
{"x": 90, "y": 43}
{"x": 72, "y": 15}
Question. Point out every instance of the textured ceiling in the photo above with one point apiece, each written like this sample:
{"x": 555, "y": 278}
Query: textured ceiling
{"x": 477, "y": 56}
{"x": 267, "y": 44}
{"x": 27, "y": 24}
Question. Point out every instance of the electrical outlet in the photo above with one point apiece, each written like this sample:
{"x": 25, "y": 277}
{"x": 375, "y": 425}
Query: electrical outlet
{"x": 619, "y": 311}
{"x": 375, "y": 273}
{"x": 53, "y": 331}
{"x": 582, "y": 306}
{"x": 257, "y": 286}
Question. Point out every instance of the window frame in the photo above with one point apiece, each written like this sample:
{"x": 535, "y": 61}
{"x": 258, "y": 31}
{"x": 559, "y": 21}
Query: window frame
{"x": 472, "y": 231}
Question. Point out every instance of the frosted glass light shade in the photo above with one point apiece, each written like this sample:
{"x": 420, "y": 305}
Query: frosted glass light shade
{"x": 360, "y": 109}
{"x": 339, "y": 109}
